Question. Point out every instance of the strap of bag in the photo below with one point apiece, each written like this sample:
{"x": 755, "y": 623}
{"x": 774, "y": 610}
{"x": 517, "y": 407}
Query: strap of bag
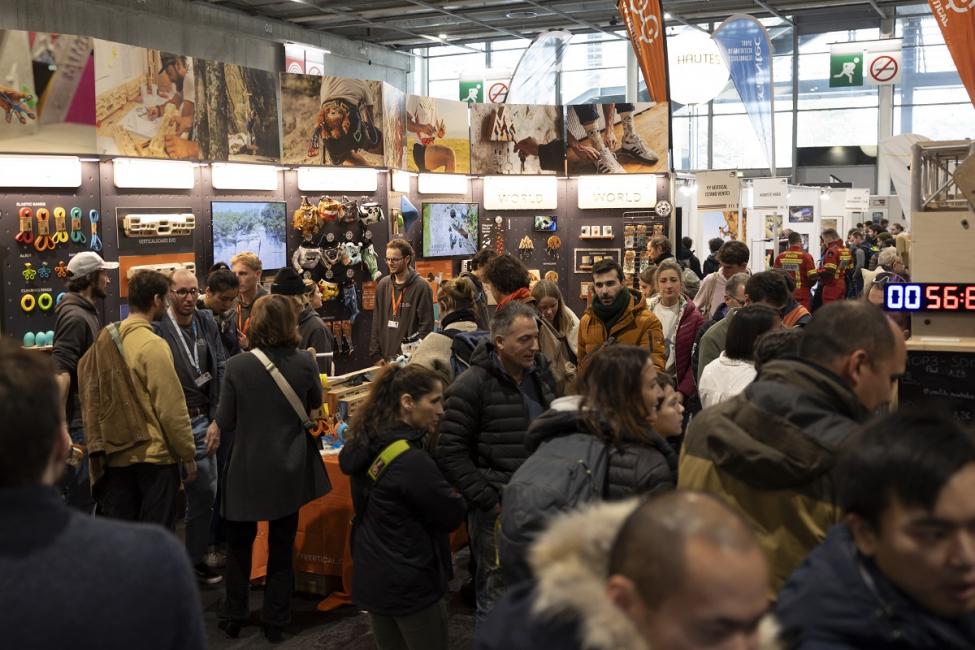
{"x": 385, "y": 458}
{"x": 285, "y": 388}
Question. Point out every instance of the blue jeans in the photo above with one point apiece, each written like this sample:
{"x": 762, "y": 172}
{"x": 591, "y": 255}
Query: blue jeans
{"x": 489, "y": 583}
{"x": 75, "y": 483}
{"x": 200, "y": 495}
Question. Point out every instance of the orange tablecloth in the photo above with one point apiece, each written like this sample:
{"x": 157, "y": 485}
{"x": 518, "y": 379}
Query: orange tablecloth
{"x": 322, "y": 544}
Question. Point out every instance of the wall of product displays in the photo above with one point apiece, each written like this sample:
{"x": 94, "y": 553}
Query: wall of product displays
{"x": 586, "y": 258}
{"x": 158, "y": 225}
{"x": 44, "y": 301}
{"x": 342, "y": 331}
{"x": 553, "y": 246}
{"x": 166, "y": 268}
{"x": 42, "y": 239}
{"x": 325, "y": 249}
{"x": 39, "y": 339}
{"x": 596, "y": 232}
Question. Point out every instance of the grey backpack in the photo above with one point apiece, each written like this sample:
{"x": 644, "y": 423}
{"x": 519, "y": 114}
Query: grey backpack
{"x": 562, "y": 474}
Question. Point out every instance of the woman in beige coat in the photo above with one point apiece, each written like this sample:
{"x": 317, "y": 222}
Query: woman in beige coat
{"x": 456, "y": 299}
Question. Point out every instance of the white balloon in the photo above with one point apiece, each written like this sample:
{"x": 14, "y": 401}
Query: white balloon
{"x": 698, "y": 72}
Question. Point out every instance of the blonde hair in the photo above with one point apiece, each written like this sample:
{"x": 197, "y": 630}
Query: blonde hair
{"x": 669, "y": 265}
{"x": 248, "y": 259}
{"x": 548, "y": 289}
{"x": 457, "y": 294}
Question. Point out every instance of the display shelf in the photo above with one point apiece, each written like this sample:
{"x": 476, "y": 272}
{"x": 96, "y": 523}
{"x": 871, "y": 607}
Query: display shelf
{"x": 600, "y": 238}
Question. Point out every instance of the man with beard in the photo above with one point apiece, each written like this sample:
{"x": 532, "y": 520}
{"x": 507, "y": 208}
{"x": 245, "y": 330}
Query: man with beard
{"x": 75, "y": 329}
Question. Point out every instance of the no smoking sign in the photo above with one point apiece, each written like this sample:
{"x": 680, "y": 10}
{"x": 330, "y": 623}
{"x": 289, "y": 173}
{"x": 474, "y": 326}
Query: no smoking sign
{"x": 884, "y": 69}
{"x": 498, "y": 92}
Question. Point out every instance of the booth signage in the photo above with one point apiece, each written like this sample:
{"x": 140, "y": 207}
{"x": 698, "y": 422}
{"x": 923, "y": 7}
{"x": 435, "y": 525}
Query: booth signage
{"x": 698, "y": 72}
{"x": 521, "y": 193}
{"x": 631, "y": 191}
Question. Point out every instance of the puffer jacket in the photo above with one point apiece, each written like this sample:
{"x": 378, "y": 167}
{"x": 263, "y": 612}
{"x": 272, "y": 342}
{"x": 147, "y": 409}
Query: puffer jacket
{"x": 688, "y": 324}
{"x": 839, "y": 600}
{"x": 635, "y": 467}
{"x": 481, "y": 439}
{"x": 566, "y": 606}
{"x": 638, "y": 326}
{"x": 400, "y": 538}
{"x": 771, "y": 452}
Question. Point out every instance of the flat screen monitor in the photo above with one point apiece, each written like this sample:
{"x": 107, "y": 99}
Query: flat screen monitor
{"x": 256, "y": 226}
{"x": 449, "y": 229}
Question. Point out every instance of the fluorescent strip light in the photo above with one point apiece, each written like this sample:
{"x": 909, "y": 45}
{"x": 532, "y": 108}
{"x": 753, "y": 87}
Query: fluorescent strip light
{"x": 337, "y": 179}
{"x": 40, "y": 171}
{"x": 138, "y": 173}
{"x": 230, "y": 176}
{"x": 442, "y": 184}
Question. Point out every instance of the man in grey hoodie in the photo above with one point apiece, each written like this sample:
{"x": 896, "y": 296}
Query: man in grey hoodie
{"x": 404, "y": 304}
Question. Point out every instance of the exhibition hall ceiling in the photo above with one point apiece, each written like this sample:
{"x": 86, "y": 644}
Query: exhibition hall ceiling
{"x": 413, "y": 23}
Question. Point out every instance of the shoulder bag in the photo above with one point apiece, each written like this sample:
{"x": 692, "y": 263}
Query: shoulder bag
{"x": 308, "y": 420}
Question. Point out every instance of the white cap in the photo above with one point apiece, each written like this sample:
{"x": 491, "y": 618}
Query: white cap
{"x": 88, "y": 262}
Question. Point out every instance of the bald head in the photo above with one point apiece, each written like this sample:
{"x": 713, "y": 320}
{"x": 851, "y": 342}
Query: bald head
{"x": 183, "y": 294}
{"x": 184, "y": 276}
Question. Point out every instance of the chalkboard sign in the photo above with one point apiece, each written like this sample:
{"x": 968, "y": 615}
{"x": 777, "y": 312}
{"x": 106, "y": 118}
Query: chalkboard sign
{"x": 945, "y": 377}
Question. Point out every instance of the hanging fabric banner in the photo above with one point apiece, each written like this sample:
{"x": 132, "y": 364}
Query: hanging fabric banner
{"x": 645, "y": 24}
{"x": 957, "y": 21}
{"x": 745, "y": 45}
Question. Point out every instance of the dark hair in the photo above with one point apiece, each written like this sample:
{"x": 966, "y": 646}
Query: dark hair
{"x": 648, "y": 273}
{"x": 662, "y": 243}
{"x": 908, "y": 455}
{"x": 734, "y": 253}
{"x": 219, "y": 266}
{"x": 457, "y": 294}
{"x": 650, "y": 547}
{"x": 78, "y": 283}
{"x": 31, "y": 425}
{"x": 482, "y": 258}
{"x": 505, "y": 317}
{"x": 745, "y": 327}
{"x": 830, "y": 234}
{"x": 664, "y": 380}
{"x": 795, "y": 238}
{"x": 144, "y": 286}
{"x": 687, "y": 242}
{"x": 606, "y": 265}
{"x": 610, "y": 377}
{"x": 854, "y": 232}
{"x": 380, "y": 410}
{"x": 222, "y": 280}
{"x": 789, "y": 277}
{"x": 507, "y": 274}
{"x": 840, "y": 328}
{"x": 776, "y": 344}
{"x": 715, "y": 244}
{"x": 768, "y": 287}
{"x": 403, "y": 247}
{"x": 273, "y": 322}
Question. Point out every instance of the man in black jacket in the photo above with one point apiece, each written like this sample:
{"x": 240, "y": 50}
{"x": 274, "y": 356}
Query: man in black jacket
{"x": 711, "y": 264}
{"x": 75, "y": 329}
{"x": 68, "y": 580}
{"x": 900, "y": 572}
{"x": 482, "y": 435}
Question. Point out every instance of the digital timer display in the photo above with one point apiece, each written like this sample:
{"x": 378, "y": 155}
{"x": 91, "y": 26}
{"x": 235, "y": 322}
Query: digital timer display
{"x": 930, "y": 297}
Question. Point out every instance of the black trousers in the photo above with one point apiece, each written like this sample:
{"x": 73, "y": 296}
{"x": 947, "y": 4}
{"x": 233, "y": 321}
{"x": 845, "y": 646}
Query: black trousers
{"x": 280, "y": 570}
{"x": 142, "y": 492}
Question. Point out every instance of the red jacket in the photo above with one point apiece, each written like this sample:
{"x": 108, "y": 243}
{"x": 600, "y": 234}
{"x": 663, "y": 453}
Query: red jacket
{"x": 801, "y": 265}
{"x": 832, "y": 273}
{"x": 688, "y": 324}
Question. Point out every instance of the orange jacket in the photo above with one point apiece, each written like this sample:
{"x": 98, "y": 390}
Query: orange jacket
{"x": 832, "y": 273}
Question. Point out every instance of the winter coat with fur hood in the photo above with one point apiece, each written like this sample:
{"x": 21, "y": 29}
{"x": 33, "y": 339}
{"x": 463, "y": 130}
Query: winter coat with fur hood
{"x": 566, "y": 607}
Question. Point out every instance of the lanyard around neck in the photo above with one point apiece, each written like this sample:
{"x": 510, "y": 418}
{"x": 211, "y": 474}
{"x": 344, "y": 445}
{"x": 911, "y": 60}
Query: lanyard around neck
{"x": 395, "y": 302}
{"x": 194, "y": 358}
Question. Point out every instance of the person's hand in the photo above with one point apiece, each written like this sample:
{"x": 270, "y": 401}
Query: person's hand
{"x": 153, "y": 112}
{"x": 426, "y": 130}
{"x": 242, "y": 340}
{"x": 212, "y": 439}
{"x": 584, "y": 151}
{"x": 609, "y": 137}
{"x": 189, "y": 473}
{"x": 528, "y": 147}
{"x": 177, "y": 147}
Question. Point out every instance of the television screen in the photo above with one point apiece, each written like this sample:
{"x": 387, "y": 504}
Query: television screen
{"x": 449, "y": 229}
{"x": 259, "y": 227}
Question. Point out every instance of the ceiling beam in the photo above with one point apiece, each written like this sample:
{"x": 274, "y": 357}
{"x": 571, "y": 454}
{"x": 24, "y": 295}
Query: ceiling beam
{"x": 674, "y": 16}
{"x": 772, "y": 11}
{"x": 582, "y": 23}
{"x": 447, "y": 12}
{"x": 876, "y": 7}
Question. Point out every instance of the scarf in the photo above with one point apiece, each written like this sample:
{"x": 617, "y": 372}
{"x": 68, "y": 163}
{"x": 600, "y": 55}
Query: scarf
{"x": 518, "y": 296}
{"x": 614, "y": 311}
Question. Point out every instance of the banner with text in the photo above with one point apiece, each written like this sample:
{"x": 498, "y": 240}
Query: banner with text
{"x": 745, "y": 45}
{"x": 957, "y": 21}
{"x": 645, "y": 24}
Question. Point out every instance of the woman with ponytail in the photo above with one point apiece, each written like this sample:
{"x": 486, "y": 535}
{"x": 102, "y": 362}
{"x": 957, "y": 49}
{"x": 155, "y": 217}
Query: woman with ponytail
{"x": 404, "y": 510}
{"x": 457, "y": 299}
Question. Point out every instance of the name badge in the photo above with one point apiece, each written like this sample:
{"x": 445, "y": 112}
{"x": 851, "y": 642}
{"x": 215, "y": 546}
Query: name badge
{"x": 203, "y": 380}
{"x": 393, "y": 324}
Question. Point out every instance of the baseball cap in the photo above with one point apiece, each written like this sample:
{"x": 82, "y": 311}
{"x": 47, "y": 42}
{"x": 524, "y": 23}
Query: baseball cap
{"x": 88, "y": 262}
{"x": 288, "y": 283}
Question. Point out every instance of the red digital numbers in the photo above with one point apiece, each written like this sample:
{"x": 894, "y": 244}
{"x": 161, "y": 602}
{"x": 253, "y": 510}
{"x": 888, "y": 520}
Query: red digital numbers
{"x": 951, "y": 301}
{"x": 970, "y": 297}
{"x": 932, "y": 294}
{"x": 932, "y": 297}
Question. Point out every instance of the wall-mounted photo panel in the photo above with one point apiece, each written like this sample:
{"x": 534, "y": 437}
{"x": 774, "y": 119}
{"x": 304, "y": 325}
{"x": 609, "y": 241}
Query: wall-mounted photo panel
{"x": 237, "y": 119}
{"x": 332, "y": 121}
{"x": 145, "y": 102}
{"x": 517, "y": 139}
{"x": 618, "y": 138}
{"x": 438, "y": 135}
{"x": 394, "y": 126}
{"x": 256, "y": 226}
{"x": 47, "y": 93}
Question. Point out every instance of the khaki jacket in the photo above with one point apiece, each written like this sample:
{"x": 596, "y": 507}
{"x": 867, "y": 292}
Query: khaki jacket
{"x": 638, "y": 326}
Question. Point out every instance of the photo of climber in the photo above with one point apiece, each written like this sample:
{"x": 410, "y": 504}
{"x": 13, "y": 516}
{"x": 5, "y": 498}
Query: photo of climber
{"x": 438, "y": 137}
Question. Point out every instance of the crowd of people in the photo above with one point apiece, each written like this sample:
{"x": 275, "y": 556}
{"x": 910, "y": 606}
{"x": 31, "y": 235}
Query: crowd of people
{"x": 669, "y": 469}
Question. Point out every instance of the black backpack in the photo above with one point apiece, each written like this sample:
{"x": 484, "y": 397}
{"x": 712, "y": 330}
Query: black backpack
{"x": 560, "y": 476}
{"x": 462, "y": 348}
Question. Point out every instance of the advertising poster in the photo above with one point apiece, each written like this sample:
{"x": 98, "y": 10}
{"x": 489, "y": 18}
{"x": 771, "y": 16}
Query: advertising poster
{"x": 332, "y": 121}
{"x": 145, "y": 102}
{"x": 517, "y": 139}
{"x": 438, "y": 136}
{"x": 237, "y": 119}
{"x": 394, "y": 126}
{"x": 718, "y": 206}
{"x": 47, "y": 93}
{"x": 617, "y": 138}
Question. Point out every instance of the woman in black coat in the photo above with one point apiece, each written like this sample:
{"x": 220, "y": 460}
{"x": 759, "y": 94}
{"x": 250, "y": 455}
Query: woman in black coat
{"x": 404, "y": 511}
{"x": 274, "y": 467}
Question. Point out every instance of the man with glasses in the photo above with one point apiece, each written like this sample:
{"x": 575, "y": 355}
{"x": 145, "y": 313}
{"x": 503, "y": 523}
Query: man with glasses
{"x": 199, "y": 357}
{"x": 404, "y": 304}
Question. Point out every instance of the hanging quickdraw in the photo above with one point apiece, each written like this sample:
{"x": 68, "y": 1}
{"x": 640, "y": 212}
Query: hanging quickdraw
{"x": 26, "y": 234}
{"x": 61, "y": 270}
{"x": 77, "y": 235}
{"x": 44, "y": 272}
{"x": 60, "y": 235}
{"x": 29, "y": 272}
{"x": 43, "y": 241}
{"x": 96, "y": 241}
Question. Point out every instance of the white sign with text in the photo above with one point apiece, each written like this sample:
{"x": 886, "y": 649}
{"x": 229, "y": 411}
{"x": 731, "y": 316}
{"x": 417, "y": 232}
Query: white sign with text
{"x": 521, "y": 193}
{"x": 629, "y": 191}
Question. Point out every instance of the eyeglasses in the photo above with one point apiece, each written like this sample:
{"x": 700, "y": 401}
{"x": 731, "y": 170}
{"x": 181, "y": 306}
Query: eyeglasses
{"x": 394, "y": 259}
{"x": 182, "y": 293}
{"x": 739, "y": 302}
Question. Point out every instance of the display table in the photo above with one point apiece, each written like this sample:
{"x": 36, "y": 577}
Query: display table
{"x": 322, "y": 543}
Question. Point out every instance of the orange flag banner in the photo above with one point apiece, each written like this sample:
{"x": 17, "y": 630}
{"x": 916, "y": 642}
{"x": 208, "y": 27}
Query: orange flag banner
{"x": 644, "y": 21}
{"x": 957, "y": 21}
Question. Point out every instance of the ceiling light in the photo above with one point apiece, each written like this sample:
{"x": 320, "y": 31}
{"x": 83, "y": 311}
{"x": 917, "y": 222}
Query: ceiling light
{"x": 667, "y": 15}
{"x": 521, "y": 15}
{"x": 442, "y": 37}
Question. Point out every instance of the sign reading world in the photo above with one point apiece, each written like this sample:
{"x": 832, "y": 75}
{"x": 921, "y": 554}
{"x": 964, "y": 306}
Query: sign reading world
{"x": 698, "y": 72}
{"x": 630, "y": 191}
{"x": 521, "y": 193}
